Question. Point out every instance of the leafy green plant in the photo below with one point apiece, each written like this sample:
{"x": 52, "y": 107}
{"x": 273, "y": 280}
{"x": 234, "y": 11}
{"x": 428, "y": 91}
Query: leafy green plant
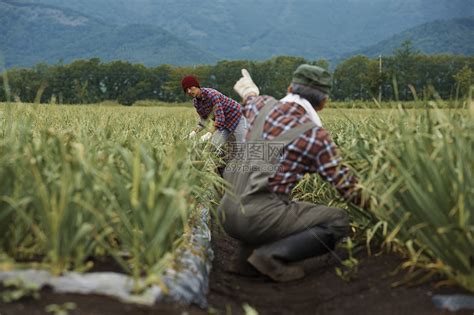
{"x": 80, "y": 182}
{"x": 148, "y": 198}
{"x": 16, "y": 289}
{"x": 350, "y": 265}
{"x": 422, "y": 183}
{"x": 78, "y": 186}
{"x": 61, "y": 309}
{"x": 415, "y": 166}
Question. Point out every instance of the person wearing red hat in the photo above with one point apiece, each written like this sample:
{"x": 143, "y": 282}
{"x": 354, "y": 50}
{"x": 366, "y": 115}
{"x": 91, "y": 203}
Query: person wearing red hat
{"x": 212, "y": 104}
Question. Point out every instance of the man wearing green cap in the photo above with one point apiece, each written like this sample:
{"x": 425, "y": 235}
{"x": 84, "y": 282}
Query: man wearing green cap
{"x": 285, "y": 140}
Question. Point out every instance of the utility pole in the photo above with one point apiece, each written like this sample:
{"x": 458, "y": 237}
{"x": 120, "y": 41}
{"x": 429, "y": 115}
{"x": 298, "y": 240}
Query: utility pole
{"x": 380, "y": 76}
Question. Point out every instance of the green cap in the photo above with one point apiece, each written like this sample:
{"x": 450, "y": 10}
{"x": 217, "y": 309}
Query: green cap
{"x": 313, "y": 76}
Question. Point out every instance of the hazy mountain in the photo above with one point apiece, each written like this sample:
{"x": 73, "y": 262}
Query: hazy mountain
{"x": 454, "y": 36}
{"x": 32, "y": 33}
{"x": 189, "y": 32}
{"x": 260, "y": 29}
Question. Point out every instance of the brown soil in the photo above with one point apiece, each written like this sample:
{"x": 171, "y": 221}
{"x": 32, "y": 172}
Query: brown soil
{"x": 321, "y": 292}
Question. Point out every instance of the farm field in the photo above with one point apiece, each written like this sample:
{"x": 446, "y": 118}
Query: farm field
{"x": 81, "y": 185}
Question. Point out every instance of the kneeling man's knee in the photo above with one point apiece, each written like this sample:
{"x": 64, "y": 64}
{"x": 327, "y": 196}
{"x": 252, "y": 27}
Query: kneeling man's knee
{"x": 340, "y": 225}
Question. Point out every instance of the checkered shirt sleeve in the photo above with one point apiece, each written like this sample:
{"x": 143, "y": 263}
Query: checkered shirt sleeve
{"x": 311, "y": 152}
{"x": 227, "y": 112}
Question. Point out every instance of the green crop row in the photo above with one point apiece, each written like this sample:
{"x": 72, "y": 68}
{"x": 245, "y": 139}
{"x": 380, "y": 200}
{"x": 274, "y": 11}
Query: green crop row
{"x": 416, "y": 167}
{"x": 78, "y": 185}
{"x": 83, "y": 182}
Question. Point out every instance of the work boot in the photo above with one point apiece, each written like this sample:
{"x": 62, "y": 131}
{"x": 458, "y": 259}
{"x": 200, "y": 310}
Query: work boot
{"x": 272, "y": 259}
{"x": 239, "y": 264}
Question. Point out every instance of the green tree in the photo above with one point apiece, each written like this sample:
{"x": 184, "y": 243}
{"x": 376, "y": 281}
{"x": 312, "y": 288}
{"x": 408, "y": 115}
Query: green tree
{"x": 172, "y": 87}
{"x": 157, "y": 78}
{"x": 274, "y": 76}
{"x": 323, "y": 63}
{"x": 79, "y": 82}
{"x": 90, "y": 81}
{"x": 404, "y": 70}
{"x": 352, "y": 79}
{"x": 120, "y": 78}
{"x": 27, "y": 84}
{"x": 463, "y": 78}
{"x": 225, "y": 73}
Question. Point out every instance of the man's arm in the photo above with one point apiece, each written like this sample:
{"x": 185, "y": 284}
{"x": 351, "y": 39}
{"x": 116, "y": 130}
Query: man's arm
{"x": 330, "y": 167}
{"x": 219, "y": 115}
{"x": 202, "y": 124}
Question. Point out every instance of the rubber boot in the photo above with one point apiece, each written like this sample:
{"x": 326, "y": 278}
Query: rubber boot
{"x": 272, "y": 259}
{"x": 239, "y": 264}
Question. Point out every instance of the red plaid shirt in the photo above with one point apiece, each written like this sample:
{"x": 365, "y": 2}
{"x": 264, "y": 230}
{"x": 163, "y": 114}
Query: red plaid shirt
{"x": 227, "y": 112}
{"x": 311, "y": 152}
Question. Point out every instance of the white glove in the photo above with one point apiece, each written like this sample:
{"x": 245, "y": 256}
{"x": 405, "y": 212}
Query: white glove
{"x": 192, "y": 134}
{"x": 245, "y": 86}
{"x": 206, "y": 137}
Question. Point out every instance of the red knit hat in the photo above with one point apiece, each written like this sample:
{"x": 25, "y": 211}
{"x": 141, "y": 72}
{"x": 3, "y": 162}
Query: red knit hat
{"x": 189, "y": 81}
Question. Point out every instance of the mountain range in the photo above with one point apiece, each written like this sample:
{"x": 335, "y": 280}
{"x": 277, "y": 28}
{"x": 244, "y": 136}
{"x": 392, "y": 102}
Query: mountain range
{"x": 455, "y": 36}
{"x": 32, "y": 33}
{"x": 183, "y": 32}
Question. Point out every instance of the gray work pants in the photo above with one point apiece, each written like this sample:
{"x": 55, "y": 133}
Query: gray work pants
{"x": 269, "y": 217}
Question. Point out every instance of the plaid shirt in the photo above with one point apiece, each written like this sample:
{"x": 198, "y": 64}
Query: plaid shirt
{"x": 311, "y": 152}
{"x": 227, "y": 112}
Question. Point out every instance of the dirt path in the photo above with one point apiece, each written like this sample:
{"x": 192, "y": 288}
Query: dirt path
{"x": 321, "y": 292}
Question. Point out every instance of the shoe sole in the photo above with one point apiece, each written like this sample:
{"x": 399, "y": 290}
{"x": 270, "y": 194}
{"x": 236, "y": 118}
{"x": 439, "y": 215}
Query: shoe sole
{"x": 275, "y": 270}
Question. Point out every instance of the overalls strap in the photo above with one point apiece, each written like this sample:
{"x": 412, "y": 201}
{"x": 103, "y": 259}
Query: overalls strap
{"x": 257, "y": 129}
{"x": 256, "y": 134}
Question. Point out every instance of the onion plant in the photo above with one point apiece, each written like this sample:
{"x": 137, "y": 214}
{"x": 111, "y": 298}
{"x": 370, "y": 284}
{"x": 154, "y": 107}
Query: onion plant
{"x": 432, "y": 191}
{"x": 80, "y": 183}
{"x": 147, "y": 200}
{"x": 416, "y": 167}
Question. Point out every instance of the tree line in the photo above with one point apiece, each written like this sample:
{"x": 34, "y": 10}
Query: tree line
{"x": 405, "y": 75}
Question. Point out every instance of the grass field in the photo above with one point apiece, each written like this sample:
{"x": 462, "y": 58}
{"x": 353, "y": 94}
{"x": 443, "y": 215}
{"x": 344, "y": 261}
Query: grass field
{"x": 82, "y": 182}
